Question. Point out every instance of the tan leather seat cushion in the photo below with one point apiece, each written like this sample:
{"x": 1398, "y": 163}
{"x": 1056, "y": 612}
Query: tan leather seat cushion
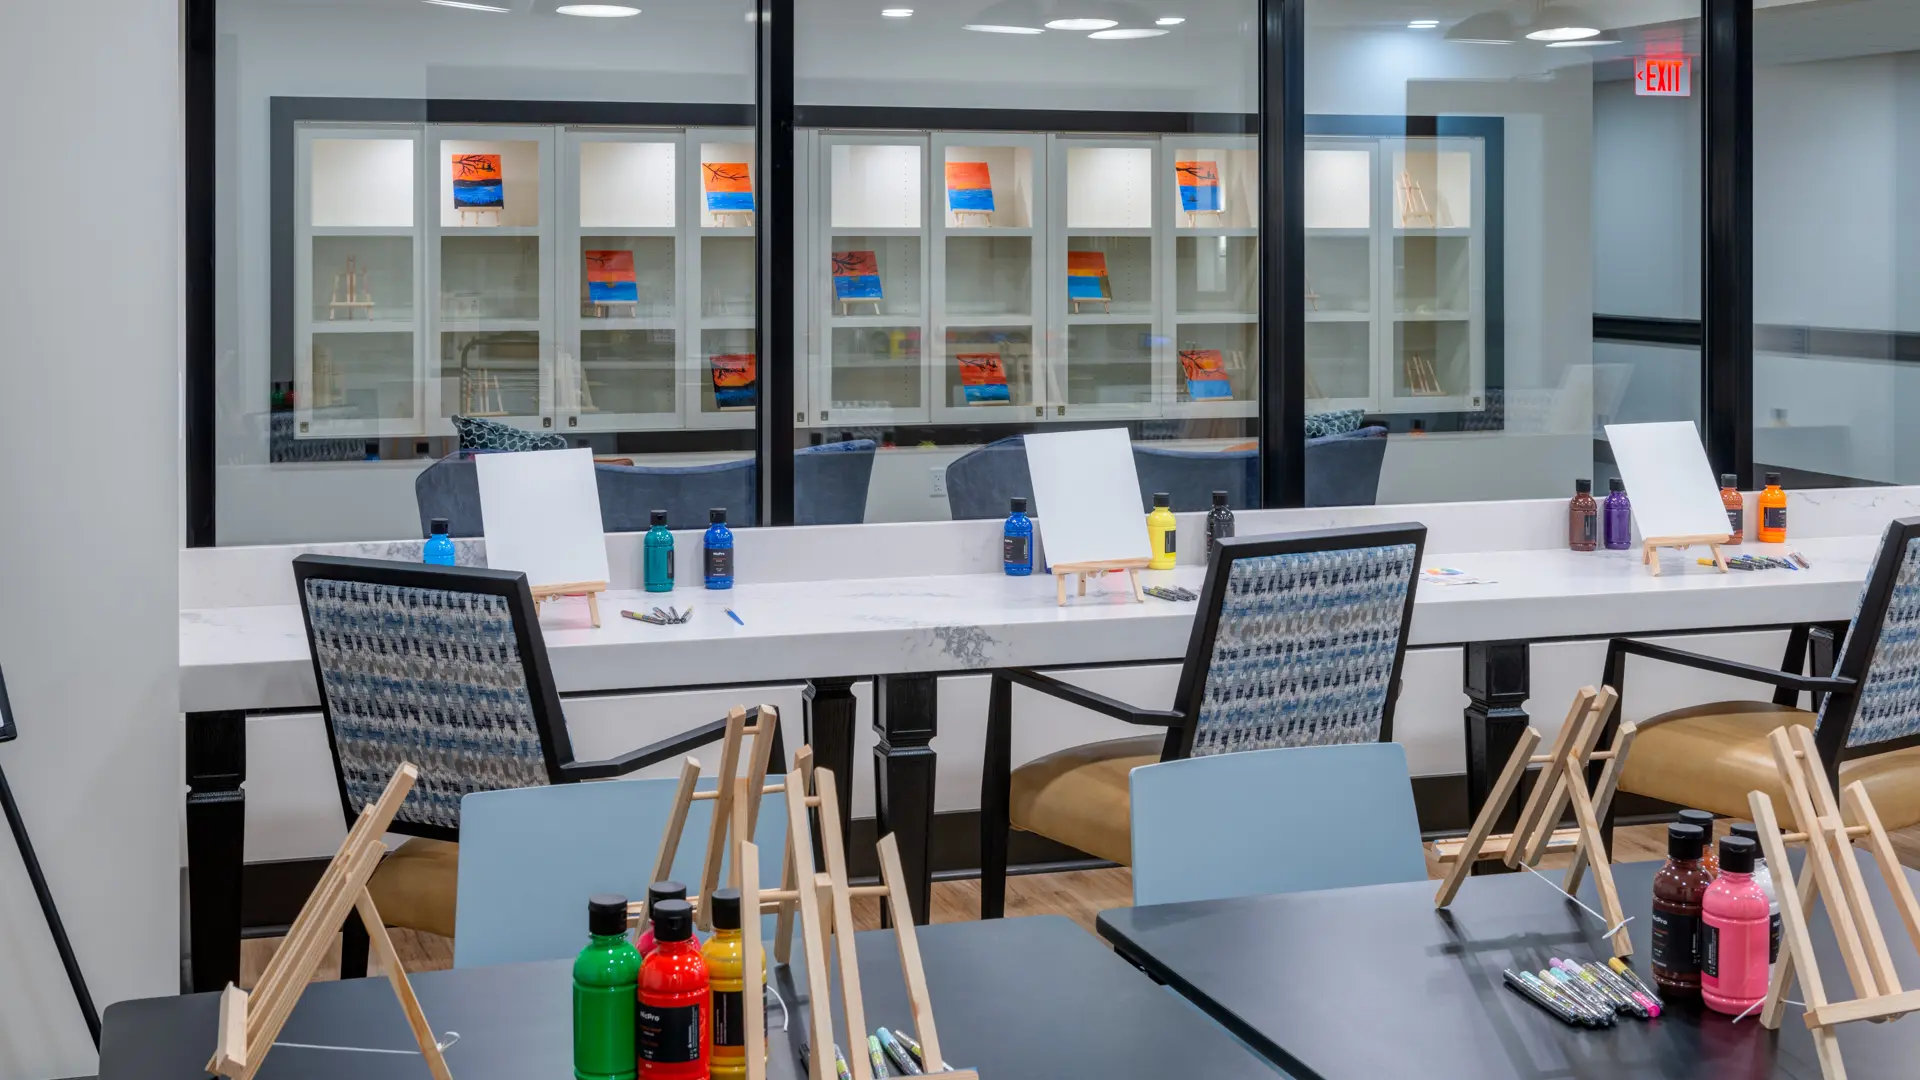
{"x": 415, "y": 885}
{"x": 1711, "y": 756}
{"x": 1079, "y": 796}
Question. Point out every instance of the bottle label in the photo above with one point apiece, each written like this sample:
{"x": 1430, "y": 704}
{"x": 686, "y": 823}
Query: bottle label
{"x": 720, "y": 562}
{"x": 1709, "y": 950}
{"x": 669, "y": 564}
{"x": 1589, "y": 528}
{"x": 729, "y": 1018}
{"x": 1773, "y": 517}
{"x": 1169, "y": 542}
{"x": 1676, "y": 941}
{"x": 1773, "y": 938}
{"x": 1014, "y": 551}
{"x": 1736, "y": 520}
{"x": 669, "y": 1034}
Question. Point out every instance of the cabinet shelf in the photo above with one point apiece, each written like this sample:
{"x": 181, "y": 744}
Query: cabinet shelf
{"x": 1203, "y": 318}
{"x": 455, "y": 324}
{"x": 589, "y": 324}
{"x": 1340, "y": 316}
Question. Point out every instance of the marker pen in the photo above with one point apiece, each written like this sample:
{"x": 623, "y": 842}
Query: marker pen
{"x": 898, "y": 1054}
{"x": 1600, "y": 1008}
{"x": 1527, "y": 990}
{"x": 1649, "y": 1008}
{"x": 1623, "y": 998}
{"x": 1572, "y": 971}
{"x": 841, "y": 1069}
{"x": 912, "y": 1047}
{"x": 877, "y": 1058}
{"x": 1626, "y": 974}
{"x": 1575, "y": 1009}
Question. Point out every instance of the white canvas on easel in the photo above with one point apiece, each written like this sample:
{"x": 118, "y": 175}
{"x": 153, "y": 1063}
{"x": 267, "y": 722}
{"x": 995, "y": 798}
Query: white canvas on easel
{"x": 1087, "y": 493}
{"x": 1676, "y": 500}
{"x": 542, "y": 518}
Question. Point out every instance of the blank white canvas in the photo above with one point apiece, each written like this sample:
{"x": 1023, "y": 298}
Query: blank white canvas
{"x": 542, "y": 511}
{"x": 1088, "y": 496}
{"x": 1672, "y": 487}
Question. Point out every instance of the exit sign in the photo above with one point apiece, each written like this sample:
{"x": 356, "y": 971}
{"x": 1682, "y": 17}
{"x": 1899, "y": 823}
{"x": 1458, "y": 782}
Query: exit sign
{"x": 1663, "y": 76}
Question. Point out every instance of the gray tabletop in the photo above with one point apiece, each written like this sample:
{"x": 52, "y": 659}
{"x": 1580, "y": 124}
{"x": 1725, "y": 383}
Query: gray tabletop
{"x": 1032, "y": 998}
{"x": 1359, "y": 984}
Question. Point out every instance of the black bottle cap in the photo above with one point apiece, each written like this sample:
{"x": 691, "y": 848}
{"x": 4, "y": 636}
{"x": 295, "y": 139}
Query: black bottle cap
{"x": 659, "y": 517}
{"x": 438, "y": 528}
{"x": 1162, "y": 500}
{"x": 672, "y": 920}
{"x": 1684, "y": 842}
{"x": 1729, "y": 480}
{"x": 1737, "y": 854}
{"x": 665, "y": 890}
{"x": 1773, "y": 479}
{"x": 1219, "y": 498}
{"x": 1700, "y": 818}
{"x": 726, "y": 909}
{"x": 1583, "y": 487}
{"x": 1747, "y": 829}
{"x": 1617, "y": 484}
{"x": 717, "y": 515}
{"x": 1019, "y": 504}
{"x": 606, "y": 915}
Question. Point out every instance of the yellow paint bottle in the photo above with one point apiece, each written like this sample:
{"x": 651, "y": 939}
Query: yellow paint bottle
{"x": 725, "y": 953}
{"x": 1160, "y": 532}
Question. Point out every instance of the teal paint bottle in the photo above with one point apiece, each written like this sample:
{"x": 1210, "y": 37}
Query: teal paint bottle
{"x": 657, "y": 555}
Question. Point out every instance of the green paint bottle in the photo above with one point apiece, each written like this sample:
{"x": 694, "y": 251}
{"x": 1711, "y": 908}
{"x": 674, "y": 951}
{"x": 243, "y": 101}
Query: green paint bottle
{"x": 606, "y": 985}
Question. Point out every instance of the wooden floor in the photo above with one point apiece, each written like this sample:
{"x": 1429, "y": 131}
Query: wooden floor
{"x": 1080, "y": 896}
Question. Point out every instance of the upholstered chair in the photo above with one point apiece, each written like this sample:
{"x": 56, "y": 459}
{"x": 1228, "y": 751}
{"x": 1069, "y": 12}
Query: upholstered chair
{"x": 1298, "y": 641}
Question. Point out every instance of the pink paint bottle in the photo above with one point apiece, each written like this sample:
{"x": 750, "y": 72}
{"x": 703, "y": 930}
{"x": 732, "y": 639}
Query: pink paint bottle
{"x": 1734, "y": 932}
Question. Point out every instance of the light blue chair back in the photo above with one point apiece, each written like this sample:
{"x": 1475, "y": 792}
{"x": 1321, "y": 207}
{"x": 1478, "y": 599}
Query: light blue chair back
{"x": 1273, "y": 821}
{"x": 530, "y": 858}
{"x": 981, "y": 481}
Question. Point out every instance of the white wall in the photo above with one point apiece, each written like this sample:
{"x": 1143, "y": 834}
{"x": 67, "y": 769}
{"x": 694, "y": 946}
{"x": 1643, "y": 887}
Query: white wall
{"x": 89, "y": 471}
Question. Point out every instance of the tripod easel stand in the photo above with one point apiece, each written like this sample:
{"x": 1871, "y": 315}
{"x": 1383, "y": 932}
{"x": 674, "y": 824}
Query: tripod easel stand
{"x": 1833, "y": 874}
{"x": 1562, "y": 782}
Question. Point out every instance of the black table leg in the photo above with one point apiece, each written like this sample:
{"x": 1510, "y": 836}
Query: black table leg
{"x": 216, "y": 836}
{"x": 1496, "y": 681}
{"x": 903, "y": 768}
{"x": 829, "y": 730}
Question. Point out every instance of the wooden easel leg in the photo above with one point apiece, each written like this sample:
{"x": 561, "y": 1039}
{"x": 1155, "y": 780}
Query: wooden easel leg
{"x": 1133, "y": 576}
{"x": 1592, "y": 722}
{"x": 389, "y": 958}
{"x": 918, "y": 1000}
{"x": 1819, "y": 856}
{"x": 852, "y": 999}
{"x": 766, "y": 725}
{"x": 1060, "y": 590}
{"x": 789, "y": 873}
{"x": 1083, "y": 583}
{"x": 753, "y": 997}
{"x": 800, "y": 852}
{"x": 1603, "y": 798}
{"x": 676, "y": 824}
{"x": 742, "y": 826}
{"x": 1544, "y": 784}
{"x": 1503, "y": 790}
{"x": 1591, "y": 842}
{"x": 722, "y": 813}
{"x": 1719, "y": 557}
{"x": 1794, "y": 898}
{"x": 593, "y": 609}
{"x": 1860, "y": 808}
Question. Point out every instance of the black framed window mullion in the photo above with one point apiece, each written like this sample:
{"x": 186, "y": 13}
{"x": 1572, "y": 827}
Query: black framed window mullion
{"x": 1726, "y": 355}
{"x": 774, "y": 420}
{"x": 198, "y": 116}
{"x": 1283, "y": 254}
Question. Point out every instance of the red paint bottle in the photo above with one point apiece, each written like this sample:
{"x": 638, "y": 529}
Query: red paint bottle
{"x": 676, "y": 1009}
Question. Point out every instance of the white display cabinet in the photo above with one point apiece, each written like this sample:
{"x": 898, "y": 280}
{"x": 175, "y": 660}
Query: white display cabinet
{"x": 359, "y": 282}
{"x": 720, "y": 282}
{"x": 490, "y": 275}
{"x": 870, "y": 279}
{"x": 1396, "y": 274}
{"x": 989, "y": 270}
{"x": 620, "y": 280}
{"x": 1108, "y": 206}
{"x": 1214, "y": 275}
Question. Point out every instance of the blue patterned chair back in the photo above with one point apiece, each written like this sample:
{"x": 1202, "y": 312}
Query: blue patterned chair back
{"x": 440, "y": 666}
{"x": 1300, "y": 641}
{"x": 1881, "y": 652}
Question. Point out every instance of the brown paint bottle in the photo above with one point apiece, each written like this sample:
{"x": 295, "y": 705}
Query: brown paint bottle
{"x": 1583, "y": 518}
{"x": 1677, "y": 891}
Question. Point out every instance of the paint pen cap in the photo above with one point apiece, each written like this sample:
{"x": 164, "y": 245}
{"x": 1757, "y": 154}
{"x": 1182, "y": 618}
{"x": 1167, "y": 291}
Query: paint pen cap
{"x": 726, "y": 909}
{"x": 1019, "y": 504}
{"x": 659, "y": 518}
{"x": 1685, "y": 842}
{"x": 717, "y": 515}
{"x": 606, "y": 915}
{"x": 1162, "y": 500}
{"x": 1617, "y": 484}
{"x": 1736, "y": 854}
{"x": 672, "y": 920}
{"x": 438, "y": 527}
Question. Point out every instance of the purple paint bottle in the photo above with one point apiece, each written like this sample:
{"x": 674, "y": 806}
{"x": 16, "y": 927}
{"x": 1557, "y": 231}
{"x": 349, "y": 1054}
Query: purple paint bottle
{"x": 1619, "y": 516}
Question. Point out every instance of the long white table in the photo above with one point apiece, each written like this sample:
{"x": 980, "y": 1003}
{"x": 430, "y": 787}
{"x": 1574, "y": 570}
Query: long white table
{"x": 239, "y": 656}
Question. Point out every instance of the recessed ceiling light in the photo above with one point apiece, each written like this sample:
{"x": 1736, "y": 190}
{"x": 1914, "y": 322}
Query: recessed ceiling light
{"x": 897, "y": 12}
{"x": 1125, "y": 35}
{"x": 1424, "y": 24}
{"x": 467, "y": 6}
{"x": 1169, "y": 20}
{"x": 1563, "y": 33}
{"x": 991, "y": 28}
{"x": 1081, "y": 24}
{"x": 598, "y": 11}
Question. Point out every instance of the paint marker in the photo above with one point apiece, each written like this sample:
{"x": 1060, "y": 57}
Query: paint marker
{"x": 1525, "y": 989}
{"x": 1599, "y": 1006}
{"x": 1800, "y": 559}
{"x": 1644, "y": 1007}
{"x": 1602, "y": 982}
{"x": 1626, "y": 975}
{"x": 731, "y": 614}
{"x": 1573, "y": 1009}
{"x": 912, "y": 1047}
{"x": 841, "y": 1069}
{"x": 877, "y": 1058}
{"x": 901, "y": 1059}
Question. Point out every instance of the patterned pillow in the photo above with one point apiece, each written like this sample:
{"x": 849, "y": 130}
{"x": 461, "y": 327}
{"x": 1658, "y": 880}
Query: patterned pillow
{"x": 478, "y": 434}
{"x": 1321, "y": 425}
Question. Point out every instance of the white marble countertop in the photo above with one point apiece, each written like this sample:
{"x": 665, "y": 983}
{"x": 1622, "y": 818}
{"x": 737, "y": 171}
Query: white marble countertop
{"x": 256, "y": 657}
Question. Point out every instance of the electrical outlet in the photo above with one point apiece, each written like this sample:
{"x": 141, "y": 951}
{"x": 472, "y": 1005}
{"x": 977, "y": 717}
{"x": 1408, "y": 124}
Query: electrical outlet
{"x": 939, "y": 490}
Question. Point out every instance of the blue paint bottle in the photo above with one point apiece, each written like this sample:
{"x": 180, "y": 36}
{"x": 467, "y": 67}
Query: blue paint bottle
{"x": 1016, "y": 545}
{"x": 719, "y": 551}
{"x": 657, "y": 555}
{"x": 439, "y": 549}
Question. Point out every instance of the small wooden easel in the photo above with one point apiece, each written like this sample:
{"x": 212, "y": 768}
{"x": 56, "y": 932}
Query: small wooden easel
{"x": 739, "y": 219}
{"x": 960, "y": 217}
{"x": 250, "y": 1022}
{"x": 1413, "y": 202}
{"x": 1061, "y": 571}
{"x": 589, "y": 589}
{"x": 846, "y": 306}
{"x": 1193, "y": 218}
{"x": 1562, "y": 780}
{"x": 359, "y": 291}
{"x": 1650, "y": 553}
{"x": 1831, "y": 873}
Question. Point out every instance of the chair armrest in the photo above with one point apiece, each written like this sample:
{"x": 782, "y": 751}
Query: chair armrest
{"x": 1089, "y": 700}
{"x": 664, "y": 750}
{"x": 1788, "y": 679}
